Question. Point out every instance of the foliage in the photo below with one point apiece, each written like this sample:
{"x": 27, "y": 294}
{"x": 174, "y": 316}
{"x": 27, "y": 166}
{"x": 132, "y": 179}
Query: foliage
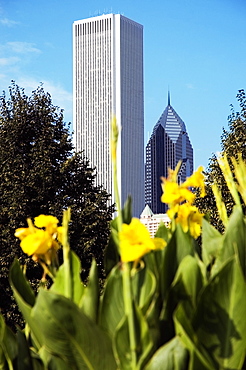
{"x": 174, "y": 307}
{"x": 40, "y": 174}
{"x": 232, "y": 144}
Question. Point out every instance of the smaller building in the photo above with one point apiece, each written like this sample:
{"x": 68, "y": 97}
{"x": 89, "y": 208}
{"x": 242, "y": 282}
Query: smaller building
{"x": 152, "y": 221}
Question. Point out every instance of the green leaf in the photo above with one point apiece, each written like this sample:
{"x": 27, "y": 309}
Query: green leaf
{"x": 163, "y": 232}
{"x": 187, "y": 335}
{"x": 178, "y": 247}
{"x": 21, "y": 284}
{"x": 8, "y": 345}
{"x": 152, "y": 317}
{"x": 186, "y": 287}
{"x": 24, "y": 360}
{"x": 52, "y": 361}
{"x": 144, "y": 287}
{"x": 25, "y": 298}
{"x": 172, "y": 355}
{"x": 90, "y": 299}
{"x": 70, "y": 334}
{"x": 220, "y": 319}
{"x": 234, "y": 240}
{"x": 77, "y": 286}
{"x": 211, "y": 242}
{"x": 188, "y": 279}
{"x": 154, "y": 262}
{"x": 122, "y": 344}
{"x": 112, "y": 305}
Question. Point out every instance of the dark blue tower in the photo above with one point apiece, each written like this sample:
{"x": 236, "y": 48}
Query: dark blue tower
{"x": 168, "y": 144}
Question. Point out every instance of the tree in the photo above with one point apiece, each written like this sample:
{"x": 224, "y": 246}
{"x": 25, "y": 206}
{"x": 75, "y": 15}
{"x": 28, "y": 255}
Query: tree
{"x": 41, "y": 175}
{"x": 233, "y": 141}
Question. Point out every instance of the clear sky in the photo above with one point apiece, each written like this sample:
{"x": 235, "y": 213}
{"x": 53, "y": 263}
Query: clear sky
{"x": 196, "y": 48}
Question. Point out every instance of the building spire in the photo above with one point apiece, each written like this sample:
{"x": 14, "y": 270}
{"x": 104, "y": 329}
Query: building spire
{"x": 168, "y": 98}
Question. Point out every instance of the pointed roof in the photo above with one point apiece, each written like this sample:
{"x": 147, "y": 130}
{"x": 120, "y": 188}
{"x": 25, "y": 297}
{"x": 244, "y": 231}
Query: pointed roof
{"x": 171, "y": 122}
{"x": 147, "y": 212}
{"x": 168, "y": 98}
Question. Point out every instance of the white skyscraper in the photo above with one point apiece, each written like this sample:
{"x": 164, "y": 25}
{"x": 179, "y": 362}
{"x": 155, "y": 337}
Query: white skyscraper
{"x": 107, "y": 81}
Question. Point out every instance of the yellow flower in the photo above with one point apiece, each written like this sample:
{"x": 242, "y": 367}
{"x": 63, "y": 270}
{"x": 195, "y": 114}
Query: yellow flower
{"x": 196, "y": 180}
{"x": 190, "y": 219}
{"x": 47, "y": 222}
{"x": 22, "y": 232}
{"x": 37, "y": 243}
{"x": 171, "y": 212}
{"x": 196, "y": 223}
{"x": 174, "y": 193}
{"x": 60, "y": 233}
{"x": 38, "y": 240}
{"x": 135, "y": 241}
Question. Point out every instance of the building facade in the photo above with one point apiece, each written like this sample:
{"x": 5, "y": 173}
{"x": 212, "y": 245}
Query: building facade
{"x": 168, "y": 144}
{"x": 152, "y": 221}
{"x": 107, "y": 82}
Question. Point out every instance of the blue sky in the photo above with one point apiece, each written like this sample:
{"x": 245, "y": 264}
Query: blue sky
{"x": 197, "y": 48}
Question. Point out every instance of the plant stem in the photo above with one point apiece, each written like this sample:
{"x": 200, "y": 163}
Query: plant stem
{"x": 117, "y": 197}
{"x": 66, "y": 254}
{"x": 127, "y": 290}
{"x": 114, "y": 144}
{"x": 127, "y": 295}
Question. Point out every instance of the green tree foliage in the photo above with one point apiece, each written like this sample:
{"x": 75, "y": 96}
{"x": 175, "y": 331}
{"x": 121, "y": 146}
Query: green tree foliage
{"x": 40, "y": 174}
{"x": 233, "y": 141}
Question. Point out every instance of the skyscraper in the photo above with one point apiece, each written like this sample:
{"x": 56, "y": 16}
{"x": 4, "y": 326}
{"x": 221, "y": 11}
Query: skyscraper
{"x": 168, "y": 144}
{"x": 108, "y": 81}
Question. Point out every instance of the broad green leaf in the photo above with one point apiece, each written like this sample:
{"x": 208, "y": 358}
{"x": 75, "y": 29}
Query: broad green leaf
{"x": 211, "y": 242}
{"x": 152, "y": 317}
{"x": 8, "y": 345}
{"x": 150, "y": 261}
{"x": 90, "y": 299}
{"x": 144, "y": 343}
{"x": 24, "y": 360}
{"x": 178, "y": 247}
{"x": 25, "y": 298}
{"x": 121, "y": 345}
{"x": 172, "y": 355}
{"x": 220, "y": 320}
{"x": 188, "y": 279}
{"x": 235, "y": 239}
{"x": 52, "y": 361}
{"x": 186, "y": 287}
{"x": 20, "y": 282}
{"x": 163, "y": 232}
{"x": 112, "y": 306}
{"x": 70, "y": 334}
{"x": 144, "y": 287}
{"x": 77, "y": 286}
{"x": 188, "y": 337}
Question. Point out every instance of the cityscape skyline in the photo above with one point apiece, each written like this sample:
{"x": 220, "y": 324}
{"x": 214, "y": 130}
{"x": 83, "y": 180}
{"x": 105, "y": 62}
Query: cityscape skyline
{"x": 108, "y": 82}
{"x": 197, "y": 48}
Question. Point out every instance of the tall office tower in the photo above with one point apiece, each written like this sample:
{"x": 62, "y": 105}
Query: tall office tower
{"x": 107, "y": 82}
{"x": 168, "y": 144}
